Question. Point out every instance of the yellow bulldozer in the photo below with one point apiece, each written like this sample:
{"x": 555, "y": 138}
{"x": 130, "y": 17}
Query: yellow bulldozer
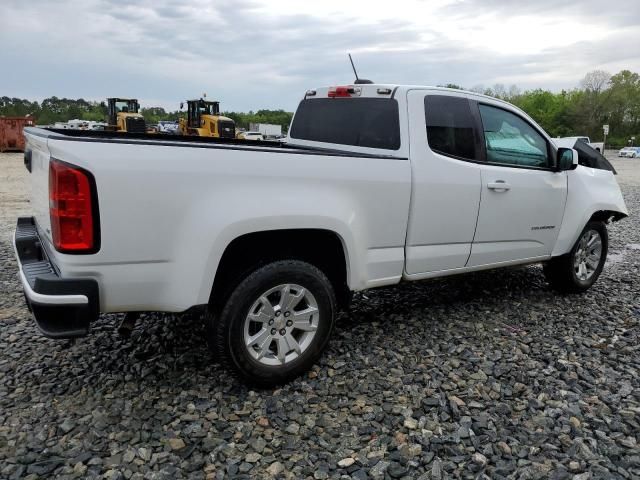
{"x": 204, "y": 120}
{"x": 123, "y": 115}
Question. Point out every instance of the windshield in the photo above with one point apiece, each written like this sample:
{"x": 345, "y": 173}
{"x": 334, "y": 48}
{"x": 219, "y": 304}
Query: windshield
{"x": 127, "y": 106}
{"x": 206, "y": 108}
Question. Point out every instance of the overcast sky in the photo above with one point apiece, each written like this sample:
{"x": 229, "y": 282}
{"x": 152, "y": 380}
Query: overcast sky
{"x": 253, "y": 54}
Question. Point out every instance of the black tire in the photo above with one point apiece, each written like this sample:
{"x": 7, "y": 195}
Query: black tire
{"x": 560, "y": 271}
{"x": 225, "y": 330}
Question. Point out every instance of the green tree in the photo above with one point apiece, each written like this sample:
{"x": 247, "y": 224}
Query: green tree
{"x": 549, "y": 109}
{"x": 276, "y": 117}
{"x": 623, "y": 106}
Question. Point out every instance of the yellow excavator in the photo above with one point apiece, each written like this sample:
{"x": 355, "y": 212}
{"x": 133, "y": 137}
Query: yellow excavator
{"x": 123, "y": 115}
{"x": 204, "y": 120}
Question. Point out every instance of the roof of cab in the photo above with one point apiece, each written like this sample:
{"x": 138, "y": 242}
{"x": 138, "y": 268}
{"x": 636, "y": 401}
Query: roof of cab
{"x": 368, "y": 87}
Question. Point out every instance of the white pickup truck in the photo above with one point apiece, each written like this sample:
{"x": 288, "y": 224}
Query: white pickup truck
{"x": 376, "y": 185}
{"x": 598, "y": 146}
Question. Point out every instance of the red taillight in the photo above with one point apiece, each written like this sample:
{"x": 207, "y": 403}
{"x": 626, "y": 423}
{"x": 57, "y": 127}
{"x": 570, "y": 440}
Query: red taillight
{"x": 71, "y": 208}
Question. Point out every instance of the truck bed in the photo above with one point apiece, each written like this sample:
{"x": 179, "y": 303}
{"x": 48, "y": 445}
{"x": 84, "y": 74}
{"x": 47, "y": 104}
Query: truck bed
{"x": 169, "y": 206}
{"x": 163, "y": 139}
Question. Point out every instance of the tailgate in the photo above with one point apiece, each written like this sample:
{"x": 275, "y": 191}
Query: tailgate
{"x": 37, "y": 161}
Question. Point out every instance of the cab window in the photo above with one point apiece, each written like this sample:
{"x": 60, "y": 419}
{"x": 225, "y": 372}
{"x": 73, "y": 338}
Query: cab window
{"x": 450, "y": 126}
{"x": 360, "y": 122}
{"x": 510, "y": 140}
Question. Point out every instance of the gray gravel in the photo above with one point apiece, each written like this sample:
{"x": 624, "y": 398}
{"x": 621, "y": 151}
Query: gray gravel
{"x": 489, "y": 375}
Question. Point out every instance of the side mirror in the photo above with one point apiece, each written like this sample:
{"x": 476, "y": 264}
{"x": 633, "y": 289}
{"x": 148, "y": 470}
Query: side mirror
{"x": 567, "y": 159}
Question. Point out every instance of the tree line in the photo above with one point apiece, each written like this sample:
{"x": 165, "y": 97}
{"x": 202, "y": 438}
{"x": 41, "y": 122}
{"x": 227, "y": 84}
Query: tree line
{"x": 600, "y": 99}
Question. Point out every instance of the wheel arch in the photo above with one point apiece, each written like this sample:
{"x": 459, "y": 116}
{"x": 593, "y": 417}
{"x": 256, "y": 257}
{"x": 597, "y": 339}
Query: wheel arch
{"x": 324, "y": 248}
{"x": 564, "y": 245}
{"x": 607, "y": 216}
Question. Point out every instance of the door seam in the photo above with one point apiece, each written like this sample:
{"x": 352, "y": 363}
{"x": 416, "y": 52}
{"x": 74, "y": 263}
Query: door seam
{"x": 475, "y": 229}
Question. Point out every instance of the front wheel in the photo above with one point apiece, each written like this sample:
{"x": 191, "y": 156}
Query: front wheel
{"x": 276, "y": 323}
{"x": 577, "y": 270}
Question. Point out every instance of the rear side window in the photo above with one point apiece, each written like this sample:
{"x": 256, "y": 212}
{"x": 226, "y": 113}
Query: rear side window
{"x": 450, "y": 126}
{"x": 359, "y": 122}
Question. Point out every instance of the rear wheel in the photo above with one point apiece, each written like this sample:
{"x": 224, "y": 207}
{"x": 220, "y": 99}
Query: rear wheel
{"x": 576, "y": 271}
{"x": 276, "y": 323}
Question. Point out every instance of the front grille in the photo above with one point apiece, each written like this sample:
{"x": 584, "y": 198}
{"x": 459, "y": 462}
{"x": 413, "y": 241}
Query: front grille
{"x": 227, "y": 129}
{"x": 136, "y": 125}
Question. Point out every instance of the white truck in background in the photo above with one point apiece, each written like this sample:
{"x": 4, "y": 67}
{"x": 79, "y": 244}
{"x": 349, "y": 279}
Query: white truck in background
{"x": 377, "y": 184}
{"x": 598, "y": 146}
{"x": 267, "y": 130}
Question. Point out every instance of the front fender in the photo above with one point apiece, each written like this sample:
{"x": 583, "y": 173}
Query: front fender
{"x": 590, "y": 191}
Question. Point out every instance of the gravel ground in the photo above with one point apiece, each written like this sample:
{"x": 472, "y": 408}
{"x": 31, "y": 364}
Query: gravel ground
{"x": 489, "y": 375}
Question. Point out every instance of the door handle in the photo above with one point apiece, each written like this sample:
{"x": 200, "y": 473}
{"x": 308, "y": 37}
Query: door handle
{"x": 498, "y": 185}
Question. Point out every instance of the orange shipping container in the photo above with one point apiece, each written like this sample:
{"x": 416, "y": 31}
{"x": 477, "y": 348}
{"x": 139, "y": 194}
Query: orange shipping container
{"x": 11, "y": 137}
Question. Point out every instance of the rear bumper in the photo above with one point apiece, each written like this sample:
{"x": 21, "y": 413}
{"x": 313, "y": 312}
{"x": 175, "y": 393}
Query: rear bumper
{"x": 62, "y": 307}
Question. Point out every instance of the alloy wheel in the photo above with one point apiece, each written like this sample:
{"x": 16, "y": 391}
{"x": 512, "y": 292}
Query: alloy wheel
{"x": 587, "y": 255}
{"x": 281, "y": 324}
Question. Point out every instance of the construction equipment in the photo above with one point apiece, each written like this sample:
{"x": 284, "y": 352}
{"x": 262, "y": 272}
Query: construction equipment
{"x": 204, "y": 120}
{"x": 123, "y": 115}
{"x": 11, "y": 137}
